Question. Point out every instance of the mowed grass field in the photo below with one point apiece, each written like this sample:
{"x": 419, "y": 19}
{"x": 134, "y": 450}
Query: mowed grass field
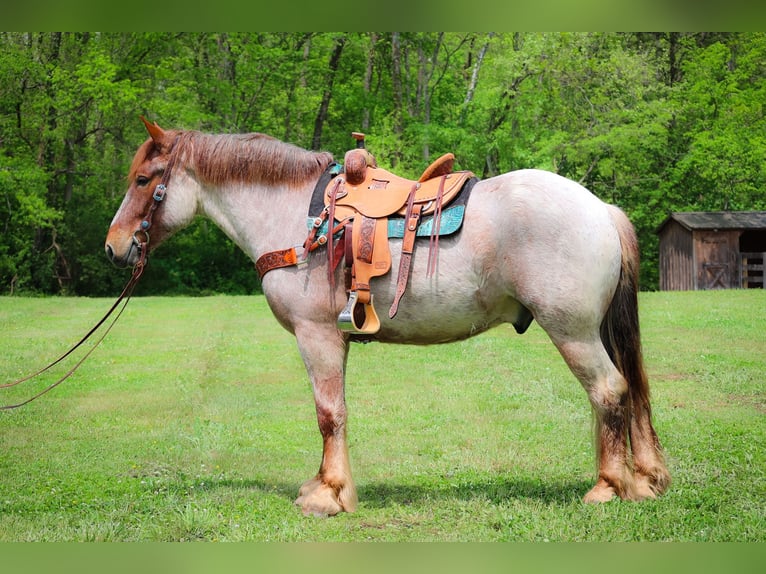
{"x": 194, "y": 421}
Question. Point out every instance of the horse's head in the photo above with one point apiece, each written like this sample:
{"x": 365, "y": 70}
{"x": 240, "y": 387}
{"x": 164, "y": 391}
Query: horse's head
{"x": 145, "y": 211}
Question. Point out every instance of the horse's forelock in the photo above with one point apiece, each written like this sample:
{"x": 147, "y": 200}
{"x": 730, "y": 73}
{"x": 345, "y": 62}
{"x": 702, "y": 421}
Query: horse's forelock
{"x": 257, "y": 158}
{"x": 148, "y": 151}
{"x": 141, "y": 156}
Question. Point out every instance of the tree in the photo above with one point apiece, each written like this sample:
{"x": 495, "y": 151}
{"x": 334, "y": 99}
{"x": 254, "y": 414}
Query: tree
{"x": 650, "y": 121}
{"x": 316, "y": 141}
{"x": 722, "y": 125}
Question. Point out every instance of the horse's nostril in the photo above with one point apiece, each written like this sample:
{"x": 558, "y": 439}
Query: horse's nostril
{"x": 109, "y": 252}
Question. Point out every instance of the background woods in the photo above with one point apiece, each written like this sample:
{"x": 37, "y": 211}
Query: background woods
{"x": 653, "y": 122}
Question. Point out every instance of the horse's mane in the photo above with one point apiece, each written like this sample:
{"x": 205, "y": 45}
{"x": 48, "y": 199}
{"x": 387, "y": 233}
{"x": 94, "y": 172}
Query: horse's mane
{"x": 254, "y": 157}
{"x": 222, "y": 158}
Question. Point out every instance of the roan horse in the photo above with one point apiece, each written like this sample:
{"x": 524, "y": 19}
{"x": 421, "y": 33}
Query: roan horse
{"x": 517, "y": 228}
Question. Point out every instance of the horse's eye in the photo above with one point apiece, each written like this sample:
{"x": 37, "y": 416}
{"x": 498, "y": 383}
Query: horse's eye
{"x": 142, "y": 180}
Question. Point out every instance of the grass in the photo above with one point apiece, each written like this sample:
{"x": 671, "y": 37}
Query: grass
{"x": 194, "y": 421}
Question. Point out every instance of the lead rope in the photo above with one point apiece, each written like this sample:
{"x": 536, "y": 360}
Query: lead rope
{"x": 124, "y": 298}
{"x": 138, "y": 269}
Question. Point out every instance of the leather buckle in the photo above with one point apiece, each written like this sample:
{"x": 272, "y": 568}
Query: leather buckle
{"x": 301, "y": 260}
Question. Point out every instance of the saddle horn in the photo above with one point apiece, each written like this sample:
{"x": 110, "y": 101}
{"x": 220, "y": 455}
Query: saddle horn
{"x": 357, "y": 160}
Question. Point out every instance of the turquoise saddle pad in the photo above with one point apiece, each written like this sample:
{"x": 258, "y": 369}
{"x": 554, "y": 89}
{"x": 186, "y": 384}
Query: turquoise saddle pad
{"x": 451, "y": 220}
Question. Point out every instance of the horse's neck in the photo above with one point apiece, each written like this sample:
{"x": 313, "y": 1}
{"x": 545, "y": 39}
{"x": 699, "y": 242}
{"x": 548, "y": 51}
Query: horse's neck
{"x": 258, "y": 218}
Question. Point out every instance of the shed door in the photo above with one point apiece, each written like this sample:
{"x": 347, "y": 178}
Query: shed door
{"x": 715, "y": 261}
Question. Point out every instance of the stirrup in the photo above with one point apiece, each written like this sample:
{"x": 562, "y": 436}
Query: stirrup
{"x": 358, "y": 317}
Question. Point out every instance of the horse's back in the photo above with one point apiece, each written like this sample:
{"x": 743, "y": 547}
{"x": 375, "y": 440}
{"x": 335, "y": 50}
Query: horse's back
{"x": 541, "y": 201}
{"x": 532, "y": 244}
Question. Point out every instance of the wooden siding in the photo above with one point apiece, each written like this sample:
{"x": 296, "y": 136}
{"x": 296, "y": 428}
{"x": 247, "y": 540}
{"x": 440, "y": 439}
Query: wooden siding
{"x": 716, "y": 259}
{"x": 701, "y": 250}
{"x": 676, "y": 258}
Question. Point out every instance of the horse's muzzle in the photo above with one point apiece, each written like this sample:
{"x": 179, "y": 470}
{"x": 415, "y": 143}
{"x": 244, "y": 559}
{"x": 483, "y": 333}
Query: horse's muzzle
{"x": 125, "y": 257}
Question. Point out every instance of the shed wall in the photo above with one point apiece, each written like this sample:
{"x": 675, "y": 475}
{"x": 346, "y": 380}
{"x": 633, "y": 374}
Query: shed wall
{"x": 717, "y": 261}
{"x": 677, "y": 272}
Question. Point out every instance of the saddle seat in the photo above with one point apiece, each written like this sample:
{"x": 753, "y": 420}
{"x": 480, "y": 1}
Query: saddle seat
{"x": 379, "y": 193}
{"x": 366, "y": 196}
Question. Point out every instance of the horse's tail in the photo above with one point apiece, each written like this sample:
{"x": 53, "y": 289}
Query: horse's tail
{"x": 620, "y": 331}
{"x": 621, "y": 337}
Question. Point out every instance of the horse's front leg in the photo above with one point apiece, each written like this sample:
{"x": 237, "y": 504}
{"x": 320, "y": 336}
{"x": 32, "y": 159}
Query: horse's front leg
{"x": 332, "y": 490}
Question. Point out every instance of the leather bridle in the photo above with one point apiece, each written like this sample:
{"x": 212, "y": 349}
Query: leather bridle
{"x": 158, "y": 196}
{"x": 141, "y": 241}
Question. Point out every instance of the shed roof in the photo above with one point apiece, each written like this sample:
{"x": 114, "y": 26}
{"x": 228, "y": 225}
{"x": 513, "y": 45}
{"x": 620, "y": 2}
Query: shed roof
{"x": 718, "y": 220}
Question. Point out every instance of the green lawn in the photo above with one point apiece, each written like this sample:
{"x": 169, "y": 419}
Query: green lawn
{"x": 194, "y": 421}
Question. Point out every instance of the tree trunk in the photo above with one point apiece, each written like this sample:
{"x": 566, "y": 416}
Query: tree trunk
{"x": 368, "y": 82}
{"x": 475, "y": 77}
{"x": 674, "y": 70}
{"x": 316, "y": 141}
{"x": 303, "y": 45}
{"x": 396, "y": 81}
{"x": 428, "y": 74}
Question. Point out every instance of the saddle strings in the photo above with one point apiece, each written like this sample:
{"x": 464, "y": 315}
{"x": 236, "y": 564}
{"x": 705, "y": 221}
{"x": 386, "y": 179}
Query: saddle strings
{"x": 330, "y": 234}
{"x": 433, "y": 246}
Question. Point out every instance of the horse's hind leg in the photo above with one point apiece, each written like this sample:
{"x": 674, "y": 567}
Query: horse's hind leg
{"x": 651, "y": 474}
{"x": 608, "y": 394}
{"x": 332, "y": 490}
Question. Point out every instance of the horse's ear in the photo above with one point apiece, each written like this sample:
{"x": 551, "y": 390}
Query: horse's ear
{"x": 156, "y": 132}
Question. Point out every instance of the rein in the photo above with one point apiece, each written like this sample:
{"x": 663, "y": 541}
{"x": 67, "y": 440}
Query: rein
{"x": 123, "y": 298}
{"x": 141, "y": 243}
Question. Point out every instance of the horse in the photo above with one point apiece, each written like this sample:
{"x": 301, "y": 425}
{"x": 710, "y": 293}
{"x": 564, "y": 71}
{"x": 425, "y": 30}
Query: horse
{"x": 518, "y": 228}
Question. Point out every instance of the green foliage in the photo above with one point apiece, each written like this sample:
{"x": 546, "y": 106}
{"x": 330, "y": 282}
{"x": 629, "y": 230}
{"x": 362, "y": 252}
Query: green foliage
{"x": 653, "y": 122}
{"x": 25, "y": 216}
{"x": 723, "y": 123}
{"x": 201, "y": 261}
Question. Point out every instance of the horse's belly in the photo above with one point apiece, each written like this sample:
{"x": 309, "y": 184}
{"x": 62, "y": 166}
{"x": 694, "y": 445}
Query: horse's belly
{"x": 433, "y": 324}
{"x": 449, "y": 306}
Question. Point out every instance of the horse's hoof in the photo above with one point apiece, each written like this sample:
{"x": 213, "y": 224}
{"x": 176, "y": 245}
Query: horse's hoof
{"x": 317, "y": 499}
{"x": 656, "y": 481}
{"x": 643, "y": 488}
{"x": 317, "y": 509}
{"x": 602, "y": 492}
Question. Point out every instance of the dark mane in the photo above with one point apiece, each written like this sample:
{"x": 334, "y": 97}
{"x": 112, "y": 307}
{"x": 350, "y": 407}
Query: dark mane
{"x": 222, "y": 158}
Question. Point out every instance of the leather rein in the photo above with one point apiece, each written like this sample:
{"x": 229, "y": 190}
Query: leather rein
{"x": 141, "y": 242}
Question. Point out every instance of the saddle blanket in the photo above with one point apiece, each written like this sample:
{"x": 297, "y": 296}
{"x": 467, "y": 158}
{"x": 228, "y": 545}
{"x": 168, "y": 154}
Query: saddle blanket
{"x": 451, "y": 216}
{"x": 451, "y": 221}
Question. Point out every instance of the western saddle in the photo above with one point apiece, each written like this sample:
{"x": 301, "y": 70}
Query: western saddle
{"x": 354, "y": 219}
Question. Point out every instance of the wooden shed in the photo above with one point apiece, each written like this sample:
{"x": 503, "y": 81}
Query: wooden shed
{"x": 712, "y": 250}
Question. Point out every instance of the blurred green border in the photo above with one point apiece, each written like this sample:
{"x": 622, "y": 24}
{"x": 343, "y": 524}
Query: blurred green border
{"x": 422, "y": 15}
{"x": 400, "y": 558}
{"x": 418, "y": 15}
